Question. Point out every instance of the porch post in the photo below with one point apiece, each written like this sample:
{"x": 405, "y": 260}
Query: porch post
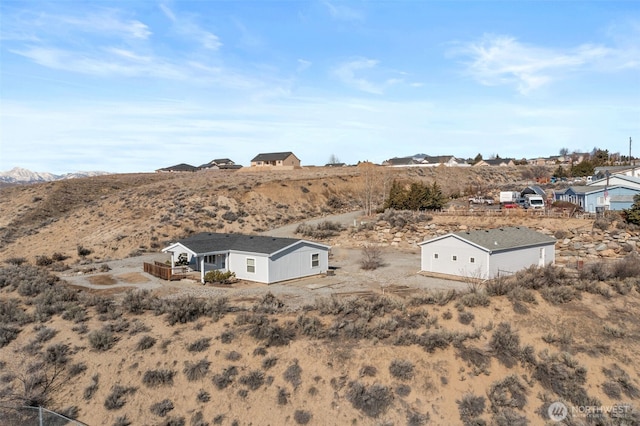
{"x": 202, "y": 269}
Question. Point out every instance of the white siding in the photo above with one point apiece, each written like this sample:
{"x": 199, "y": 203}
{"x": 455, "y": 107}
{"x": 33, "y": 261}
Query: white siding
{"x": 448, "y": 247}
{"x": 295, "y": 262}
{"x": 238, "y": 264}
{"x": 485, "y": 265}
{"x": 506, "y": 263}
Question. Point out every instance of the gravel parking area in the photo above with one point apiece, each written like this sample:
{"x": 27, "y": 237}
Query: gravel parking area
{"x": 398, "y": 275}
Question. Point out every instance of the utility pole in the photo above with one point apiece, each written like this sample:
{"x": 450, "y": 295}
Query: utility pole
{"x": 633, "y": 166}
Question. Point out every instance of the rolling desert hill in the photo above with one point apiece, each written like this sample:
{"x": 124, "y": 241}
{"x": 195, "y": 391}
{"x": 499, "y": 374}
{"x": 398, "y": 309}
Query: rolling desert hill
{"x": 503, "y": 352}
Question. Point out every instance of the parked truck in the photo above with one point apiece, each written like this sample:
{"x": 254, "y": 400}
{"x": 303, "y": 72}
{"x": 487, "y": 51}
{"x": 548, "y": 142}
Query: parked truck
{"x": 534, "y": 202}
{"x": 509, "y": 197}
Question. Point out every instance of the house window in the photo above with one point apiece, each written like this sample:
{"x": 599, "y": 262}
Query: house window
{"x": 251, "y": 265}
{"x": 315, "y": 260}
{"x": 435, "y": 255}
{"x": 472, "y": 260}
{"x": 454, "y": 257}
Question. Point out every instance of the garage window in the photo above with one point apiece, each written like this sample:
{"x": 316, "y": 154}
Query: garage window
{"x": 315, "y": 260}
{"x": 435, "y": 255}
{"x": 472, "y": 260}
{"x": 251, "y": 265}
{"x": 454, "y": 258}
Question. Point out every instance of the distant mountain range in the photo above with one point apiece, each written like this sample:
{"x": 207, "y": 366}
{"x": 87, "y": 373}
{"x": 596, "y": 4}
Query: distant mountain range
{"x": 18, "y": 175}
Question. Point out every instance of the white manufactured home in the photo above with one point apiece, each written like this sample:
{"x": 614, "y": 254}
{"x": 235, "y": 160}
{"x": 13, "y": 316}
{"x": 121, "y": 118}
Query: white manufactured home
{"x": 487, "y": 254}
{"x": 254, "y": 258}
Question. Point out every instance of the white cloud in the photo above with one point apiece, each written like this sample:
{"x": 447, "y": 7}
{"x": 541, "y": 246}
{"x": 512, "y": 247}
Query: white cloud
{"x": 342, "y": 12}
{"x": 347, "y": 73}
{"x": 503, "y": 60}
{"x": 116, "y": 62}
{"x": 186, "y": 26}
{"x": 303, "y": 65}
{"x": 360, "y": 74}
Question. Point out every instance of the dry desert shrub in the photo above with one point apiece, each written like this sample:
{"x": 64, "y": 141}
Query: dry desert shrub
{"x": 253, "y": 380}
{"x": 200, "y": 345}
{"x": 269, "y": 362}
{"x": 162, "y": 408}
{"x": 283, "y": 396}
{"x": 233, "y": 356}
{"x": 122, "y": 421}
{"x": 562, "y": 374}
{"x": 196, "y": 370}
{"x": 310, "y": 326}
{"x": 155, "y": 378}
{"x": 227, "y": 337}
{"x": 403, "y": 390}
{"x": 224, "y": 379}
{"x": 117, "y": 398}
{"x": 402, "y": 369}
{"x": 509, "y": 392}
{"x": 322, "y": 230}
{"x": 139, "y": 301}
{"x": 476, "y": 358}
{"x": 188, "y": 308}
{"x": 465, "y": 317}
{"x": 12, "y": 312}
{"x": 372, "y": 400}
{"x": 268, "y": 304}
{"x": 560, "y": 295}
{"x": 8, "y": 334}
{"x": 371, "y": 257}
{"x": 102, "y": 340}
{"x": 368, "y": 371}
{"x": 77, "y": 368}
{"x": 415, "y": 418}
{"x": 302, "y": 417}
{"x": 145, "y": 342}
{"x": 203, "y": 396}
{"x": 90, "y": 390}
{"x": 470, "y": 407}
{"x": 293, "y": 374}
{"x": 628, "y": 267}
{"x": 505, "y": 344}
{"x": 621, "y": 381}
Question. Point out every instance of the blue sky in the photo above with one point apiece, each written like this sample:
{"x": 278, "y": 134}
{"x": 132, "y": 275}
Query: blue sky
{"x": 132, "y": 86}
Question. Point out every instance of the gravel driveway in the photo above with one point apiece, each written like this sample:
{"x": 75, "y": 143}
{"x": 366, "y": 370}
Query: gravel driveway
{"x": 399, "y": 275}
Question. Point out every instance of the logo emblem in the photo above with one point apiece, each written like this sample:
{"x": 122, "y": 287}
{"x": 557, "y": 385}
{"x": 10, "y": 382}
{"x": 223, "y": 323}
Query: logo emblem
{"x": 557, "y": 411}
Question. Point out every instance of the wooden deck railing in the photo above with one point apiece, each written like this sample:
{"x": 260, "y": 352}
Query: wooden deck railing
{"x": 160, "y": 270}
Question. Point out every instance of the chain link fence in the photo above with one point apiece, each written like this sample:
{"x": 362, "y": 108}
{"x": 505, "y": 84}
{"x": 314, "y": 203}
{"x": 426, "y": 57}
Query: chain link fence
{"x": 34, "y": 416}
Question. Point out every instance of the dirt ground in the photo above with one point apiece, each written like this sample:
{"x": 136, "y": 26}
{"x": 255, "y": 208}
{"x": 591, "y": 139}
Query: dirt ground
{"x": 398, "y": 275}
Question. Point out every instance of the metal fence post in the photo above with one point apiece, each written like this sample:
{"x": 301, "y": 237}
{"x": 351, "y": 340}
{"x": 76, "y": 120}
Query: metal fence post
{"x": 40, "y": 420}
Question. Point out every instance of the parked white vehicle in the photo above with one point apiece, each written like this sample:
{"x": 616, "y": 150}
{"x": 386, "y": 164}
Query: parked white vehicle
{"x": 534, "y": 202}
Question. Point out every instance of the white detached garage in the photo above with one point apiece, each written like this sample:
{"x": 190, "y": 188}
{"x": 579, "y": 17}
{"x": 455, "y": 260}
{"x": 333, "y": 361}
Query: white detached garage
{"x": 487, "y": 254}
{"x": 251, "y": 257}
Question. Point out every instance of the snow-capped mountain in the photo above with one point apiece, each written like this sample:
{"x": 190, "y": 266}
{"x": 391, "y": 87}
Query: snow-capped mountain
{"x": 20, "y": 175}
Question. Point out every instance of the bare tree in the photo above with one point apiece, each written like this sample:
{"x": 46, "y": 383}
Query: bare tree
{"x": 371, "y": 257}
{"x": 333, "y": 159}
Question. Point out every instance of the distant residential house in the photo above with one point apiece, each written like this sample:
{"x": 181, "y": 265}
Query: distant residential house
{"x": 254, "y": 258}
{"x": 496, "y": 162}
{"x": 632, "y": 171}
{"x": 280, "y": 160}
{"x": 335, "y": 165}
{"x": 220, "y": 163}
{"x": 616, "y": 179}
{"x": 425, "y": 161}
{"x": 182, "y": 167}
{"x": 487, "y": 254}
{"x": 595, "y": 198}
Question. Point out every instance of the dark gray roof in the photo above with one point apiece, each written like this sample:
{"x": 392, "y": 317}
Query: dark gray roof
{"x": 273, "y": 156}
{"x": 182, "y": 167}
{"x": 401, "y": 161}
{"x": 506, "y": 238}
{"x": 207, "y": 242}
